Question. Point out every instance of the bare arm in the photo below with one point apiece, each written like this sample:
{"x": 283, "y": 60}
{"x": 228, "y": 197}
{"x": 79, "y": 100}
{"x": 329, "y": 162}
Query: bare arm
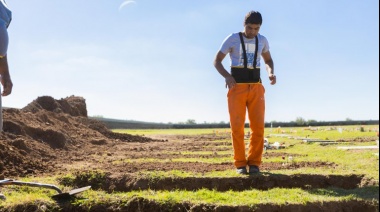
{"x": 230, "y": 81}
{"x": 5, "y": 77}
{"x": 269, "y": 65}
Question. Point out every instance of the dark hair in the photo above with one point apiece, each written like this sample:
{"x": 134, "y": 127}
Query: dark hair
{"x": 253, "y": 17}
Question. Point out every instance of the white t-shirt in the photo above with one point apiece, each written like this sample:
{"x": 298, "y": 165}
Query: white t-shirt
{"x": 232, "y": 45}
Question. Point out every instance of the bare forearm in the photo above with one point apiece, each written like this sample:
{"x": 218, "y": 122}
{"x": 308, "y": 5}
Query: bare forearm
{"x": 5, "y": 77}
{"x": 230, "y": 81}
{"x": 4, "y": 71}
{"x": 270, "y": 69}
{"x": 269, "y": 65}
{"x": 220, "y": 68}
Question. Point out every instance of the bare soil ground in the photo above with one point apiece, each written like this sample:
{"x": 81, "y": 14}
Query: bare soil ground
{"x": 53, "y": 137}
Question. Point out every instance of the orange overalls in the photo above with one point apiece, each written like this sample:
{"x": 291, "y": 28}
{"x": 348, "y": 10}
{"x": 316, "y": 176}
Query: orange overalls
{"x": 243, "y": 97}
{"x": 247, "y": 95}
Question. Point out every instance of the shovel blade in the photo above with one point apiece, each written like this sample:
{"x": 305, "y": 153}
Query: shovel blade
{"x": 79, "y": 190}
{"x": 69, "y": 194}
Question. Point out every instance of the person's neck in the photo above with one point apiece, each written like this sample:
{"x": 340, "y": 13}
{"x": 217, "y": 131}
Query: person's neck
{"x": 245, "y": 36}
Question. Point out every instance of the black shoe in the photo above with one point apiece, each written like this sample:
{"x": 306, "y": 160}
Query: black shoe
{"x": 254, "y": 169}
{"x": 241, "y": 170}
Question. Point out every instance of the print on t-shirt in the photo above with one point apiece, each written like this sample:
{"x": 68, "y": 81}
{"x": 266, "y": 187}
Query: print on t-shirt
{"x": 250, "y": 49}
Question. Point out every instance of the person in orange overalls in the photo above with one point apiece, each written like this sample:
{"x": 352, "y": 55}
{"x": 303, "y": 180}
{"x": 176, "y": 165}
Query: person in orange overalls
{"x": 245, "y": 89}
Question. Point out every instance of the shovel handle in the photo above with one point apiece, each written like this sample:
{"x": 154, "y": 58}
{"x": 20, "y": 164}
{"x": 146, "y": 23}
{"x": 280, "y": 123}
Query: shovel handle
{"x": 32, "y": 184}
{"x": 4, "y": 181}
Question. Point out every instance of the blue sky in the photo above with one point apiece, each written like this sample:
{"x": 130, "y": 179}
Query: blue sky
{"x": 152, "y": 60}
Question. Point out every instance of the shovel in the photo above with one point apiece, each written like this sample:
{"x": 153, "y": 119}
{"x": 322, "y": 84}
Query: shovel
{"x": 60, "y": 195}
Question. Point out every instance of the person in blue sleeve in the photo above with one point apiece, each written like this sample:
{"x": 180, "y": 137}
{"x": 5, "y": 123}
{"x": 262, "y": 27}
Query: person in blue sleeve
{"x": 5, "y": 78}
{"x": 5, "y": 20}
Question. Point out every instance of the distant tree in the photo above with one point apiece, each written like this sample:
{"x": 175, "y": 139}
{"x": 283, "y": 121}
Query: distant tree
{"x": 98, "y": 116}
{"x": 348, "y": 119}
{"x": 300, "y": 121}
{"x": 190, "y": 121}
{"x": 312, "y": 121}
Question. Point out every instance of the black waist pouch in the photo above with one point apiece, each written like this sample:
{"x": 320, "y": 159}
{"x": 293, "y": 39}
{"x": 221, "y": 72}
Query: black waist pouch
{"x": 245, "y": 75}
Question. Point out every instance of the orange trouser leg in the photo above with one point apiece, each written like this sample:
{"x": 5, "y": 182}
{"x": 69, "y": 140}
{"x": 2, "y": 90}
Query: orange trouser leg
{"x": 237, "y": 104}
{"x": 256, "y": 113}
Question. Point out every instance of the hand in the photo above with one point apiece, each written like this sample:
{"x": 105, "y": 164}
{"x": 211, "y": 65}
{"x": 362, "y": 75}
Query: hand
{"x": 272, "y": 79}
{"x": 230, "y": 82}
{"x": 7, "y": 86}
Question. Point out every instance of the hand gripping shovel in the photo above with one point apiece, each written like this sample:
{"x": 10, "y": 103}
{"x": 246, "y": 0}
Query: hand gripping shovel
{"x": 59, "y": 196}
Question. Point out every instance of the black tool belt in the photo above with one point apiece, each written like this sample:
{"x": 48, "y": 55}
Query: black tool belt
{"x": 245, "y": 75}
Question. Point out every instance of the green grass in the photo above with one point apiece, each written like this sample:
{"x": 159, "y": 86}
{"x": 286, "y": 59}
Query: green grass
{"x": 327, "y": 133}
{"x": 323, "y": 132}
{"x": 277, "y": 196}
{"x": 172, "y": 131}
{"x": 251, "y": 198}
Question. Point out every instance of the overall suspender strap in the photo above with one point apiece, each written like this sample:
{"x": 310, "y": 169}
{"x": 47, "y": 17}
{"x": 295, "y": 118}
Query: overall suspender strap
{"x": 245, "y": 52}
{"x": 256, "y": 48}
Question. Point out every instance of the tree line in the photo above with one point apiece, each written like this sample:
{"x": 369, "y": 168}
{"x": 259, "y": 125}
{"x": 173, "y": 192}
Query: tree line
{"x": 191, "y": 123}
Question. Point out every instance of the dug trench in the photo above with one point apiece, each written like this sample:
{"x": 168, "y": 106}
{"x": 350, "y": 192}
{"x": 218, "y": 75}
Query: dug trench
{"x": 50, "y": 137}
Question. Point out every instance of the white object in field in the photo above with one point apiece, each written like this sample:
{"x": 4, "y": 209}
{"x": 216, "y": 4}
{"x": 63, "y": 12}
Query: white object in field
{"x": 277, "y": 145}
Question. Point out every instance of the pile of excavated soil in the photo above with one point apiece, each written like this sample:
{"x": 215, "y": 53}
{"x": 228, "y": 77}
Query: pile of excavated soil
{"x": 48, "y": 132}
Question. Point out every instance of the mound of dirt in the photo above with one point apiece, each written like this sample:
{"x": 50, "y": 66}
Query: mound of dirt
{"x": 73, "y": 105}
{"x": 48, "y": 132}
